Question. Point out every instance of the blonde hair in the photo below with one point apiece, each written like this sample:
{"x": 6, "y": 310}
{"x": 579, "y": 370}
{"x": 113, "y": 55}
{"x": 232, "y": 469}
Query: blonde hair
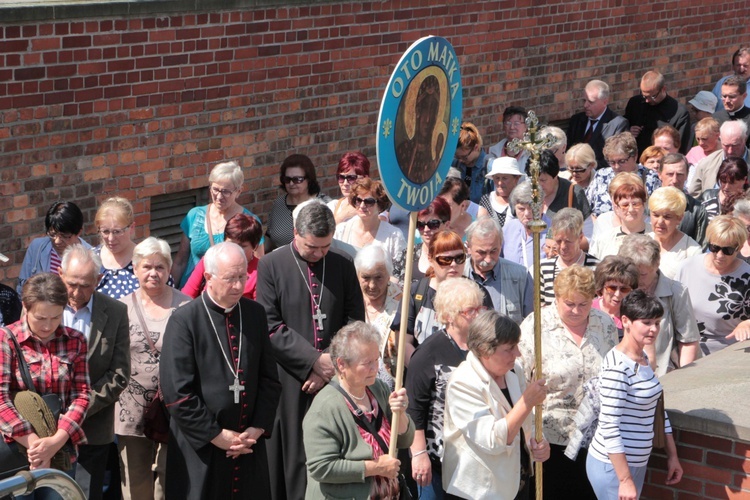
{"x": 453, "y": 295}
{"x": 116, "y": 207}
{"x": 581, "y": 153}
{"x": 668, "y": 199}
{"x": 725, "y": 230}
{"x": 575, "y": 279}
{"x": 709, "y": 125}
{"x": 623, "y": 179}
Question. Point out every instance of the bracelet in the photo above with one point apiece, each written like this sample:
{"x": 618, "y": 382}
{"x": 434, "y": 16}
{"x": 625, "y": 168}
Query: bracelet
{"x": 418, "y": 453}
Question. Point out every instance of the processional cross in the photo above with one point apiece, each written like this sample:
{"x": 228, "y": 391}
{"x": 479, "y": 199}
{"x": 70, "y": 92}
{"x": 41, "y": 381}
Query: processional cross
{"x": 534, "y": 144}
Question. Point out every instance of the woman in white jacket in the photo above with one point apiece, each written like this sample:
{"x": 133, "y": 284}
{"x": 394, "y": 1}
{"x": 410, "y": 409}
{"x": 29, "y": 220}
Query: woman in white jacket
{"x": 488, "y": 437}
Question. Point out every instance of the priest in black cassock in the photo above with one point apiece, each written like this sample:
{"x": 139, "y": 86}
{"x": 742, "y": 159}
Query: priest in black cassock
{"x": 221, "y": 386}
{"x": 309, "y": 292}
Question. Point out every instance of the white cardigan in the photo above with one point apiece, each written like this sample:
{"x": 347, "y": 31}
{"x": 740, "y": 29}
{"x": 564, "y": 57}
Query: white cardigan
{"x": 477, "y": 462}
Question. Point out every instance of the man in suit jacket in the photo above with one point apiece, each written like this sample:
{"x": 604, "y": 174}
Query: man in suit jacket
{"x": 596, "y": 122}
{"x": 104, "y": 322}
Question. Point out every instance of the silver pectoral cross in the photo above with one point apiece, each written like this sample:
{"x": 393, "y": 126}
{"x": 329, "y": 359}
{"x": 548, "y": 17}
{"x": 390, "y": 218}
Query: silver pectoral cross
{"x": 319, "y": 317}
{"x": 236, "y": 388}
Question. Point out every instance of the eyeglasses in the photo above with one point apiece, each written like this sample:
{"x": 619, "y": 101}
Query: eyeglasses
{"x": 512, "y": 124}
{"x": 232, "y": 280}
{"x": 624, "y": 290}
{"x": 53, "y": 235}
{"x": 224, "y": 193}
{"x": 368, "y": 202}
{"x": 112, "y": 232}
{"x": 473, "y": 312}
{"x": 351, "y": 178}
{"x": 297, "y": 179}
{"x": 463, "y": 157}
{"x": 725, "y": 250}
{"x": 619, "y": 163}
{"x": 447, "y": 260}
{"x": 433, "y": 224}
{"x": 652, "y": 98}
{"x": 631, "y": 204}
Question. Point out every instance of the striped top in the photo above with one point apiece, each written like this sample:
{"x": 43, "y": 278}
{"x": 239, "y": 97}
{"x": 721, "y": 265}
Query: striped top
{"x": 550, "y": 268}
{"x": 628, "y": 394}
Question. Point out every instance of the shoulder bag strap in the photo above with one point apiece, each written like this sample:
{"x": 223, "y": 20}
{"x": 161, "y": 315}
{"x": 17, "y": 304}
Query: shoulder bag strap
{"x": 146, "y": 334}
{"x": 570, "y": 195}
{"x": 367, "y": 425}
{"x": 23, "y": 367}
{"x": 420, "y": 293}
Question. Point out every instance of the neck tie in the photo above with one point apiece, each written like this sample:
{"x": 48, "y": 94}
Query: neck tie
{"x": 590, "y": 131}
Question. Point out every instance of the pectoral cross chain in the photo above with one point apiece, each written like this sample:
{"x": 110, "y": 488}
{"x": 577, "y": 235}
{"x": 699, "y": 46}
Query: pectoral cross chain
{"x": 236, "y": 388}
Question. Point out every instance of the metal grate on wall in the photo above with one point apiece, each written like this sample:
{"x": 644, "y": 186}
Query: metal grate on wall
{"x": 168, "y": 210}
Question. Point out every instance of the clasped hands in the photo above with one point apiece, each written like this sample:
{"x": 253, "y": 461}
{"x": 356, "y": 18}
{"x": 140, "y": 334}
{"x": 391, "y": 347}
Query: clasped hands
{"x": 322, "y": 373}
{"x": 236, "y": 443}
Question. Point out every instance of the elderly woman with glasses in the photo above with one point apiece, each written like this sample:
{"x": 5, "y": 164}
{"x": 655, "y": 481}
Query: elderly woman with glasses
{"x": 615, "y": 277}
{"x": 488, "y": 435}
{"x": 733, "y": 182}
{"x": 667, "y": 206}
{"x": 719, "y": 282}
{"x": 63, "y": 224}
{"x": 581, "y": 162}
{"x": 298, "y": 181}
{"x": 620, "y": 152}
{"x": 203, "y": 227}
{"x": 514, "y": 125}
{"x": 517, "y": 237}
{"x": 677, "y": 343}
{"x": 457, "y": 302}
{"x": 352, "y": 167}
{"x": 369, "y": 198}
{"x": 576, "y": 337}
{"x": 628, "y": 216}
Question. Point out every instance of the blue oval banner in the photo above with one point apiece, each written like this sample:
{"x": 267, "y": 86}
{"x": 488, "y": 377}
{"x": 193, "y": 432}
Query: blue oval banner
{"x": 419, "y": 123}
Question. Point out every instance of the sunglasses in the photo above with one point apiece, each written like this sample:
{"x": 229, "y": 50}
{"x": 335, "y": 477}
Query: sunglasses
{"x": 297, "y": 179}
{"x": 577, "y": 170}
{"x": 351, "y": 178}
{"x": 725, "y": 250}
{"x": 369, "y": 202}
{"x": 614, "y": 289}
{"x": 432, "y": 224}
{"x": 447, "y": 260}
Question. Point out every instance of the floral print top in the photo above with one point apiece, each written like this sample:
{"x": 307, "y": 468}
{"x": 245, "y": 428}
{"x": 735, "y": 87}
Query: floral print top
{"x": 566, "y": 365}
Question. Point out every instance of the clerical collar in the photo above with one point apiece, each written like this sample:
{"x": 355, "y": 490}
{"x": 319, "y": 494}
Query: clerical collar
{"x": 733, "y": 115}
{"x": 219, "y": 306}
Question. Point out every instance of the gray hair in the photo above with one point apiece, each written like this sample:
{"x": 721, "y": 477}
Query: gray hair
{"x": 372, "y": 256}
{"x": 482, "y": 228}
{"x": 211, "y": 259}
{"x": 453, "y": 295}
{"x": 152, "y": 246}
{"x": 601, "y": 87}
{"x": 302, "y": 205}
{"x": 81, "y": 254}
{"x": 315, "y": 219}
{"x": 229, "y": 170}
{"x": 345, "y": 343}
{"x": 567, "y": 220}
{"x": 673, "y": 159}
{"x": 734, "y": 127}
{"x": 522, "y": 194}
{"x": 557, "y": 133}
{"x": 641, "y": 250}
{"x": 742, "y": 207}
{"x": 489, "y": 330}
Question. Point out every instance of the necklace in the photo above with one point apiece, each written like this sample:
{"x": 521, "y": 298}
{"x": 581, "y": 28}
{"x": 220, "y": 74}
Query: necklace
{"x": 318, "y": 317}
{"x": 355, "y": 398}
{"x": 236, "y": 387}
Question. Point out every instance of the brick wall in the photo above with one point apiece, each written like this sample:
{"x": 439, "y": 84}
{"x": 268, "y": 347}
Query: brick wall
{"x": 714, "y": 468}
{"x": 143, "y": 103}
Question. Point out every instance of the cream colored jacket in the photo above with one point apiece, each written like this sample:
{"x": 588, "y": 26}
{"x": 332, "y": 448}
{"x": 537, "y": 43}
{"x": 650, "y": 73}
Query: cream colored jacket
{"x": 477, "y": 462}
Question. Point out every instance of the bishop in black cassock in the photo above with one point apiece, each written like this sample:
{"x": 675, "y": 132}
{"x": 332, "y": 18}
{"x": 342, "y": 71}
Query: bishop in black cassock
{"x": 207, "y": 342}
{"x": 286, "y": 278}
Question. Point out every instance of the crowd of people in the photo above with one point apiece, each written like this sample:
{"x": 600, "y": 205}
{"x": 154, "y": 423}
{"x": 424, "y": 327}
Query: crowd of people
{"x": 273, "y": 350}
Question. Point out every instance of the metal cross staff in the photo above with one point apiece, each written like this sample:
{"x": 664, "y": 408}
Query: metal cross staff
{"x": 535, "y": 145}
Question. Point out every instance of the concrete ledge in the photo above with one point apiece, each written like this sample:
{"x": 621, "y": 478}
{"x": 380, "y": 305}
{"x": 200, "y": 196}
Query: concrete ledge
{"x": 15, "y": 11}
{"x": 711, "y": 395}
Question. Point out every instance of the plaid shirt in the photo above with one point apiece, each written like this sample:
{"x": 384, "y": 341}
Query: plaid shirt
{"x": 59, "y": 367}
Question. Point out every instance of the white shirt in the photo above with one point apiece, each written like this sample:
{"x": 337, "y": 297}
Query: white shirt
{"x": 81, "y": 319}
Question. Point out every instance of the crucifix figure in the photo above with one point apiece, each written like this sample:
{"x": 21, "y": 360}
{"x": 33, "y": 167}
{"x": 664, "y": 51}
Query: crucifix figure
{"x": 236, "y": 388}
{"x": 319, "y": 316}
{"x": 535, "y": 145}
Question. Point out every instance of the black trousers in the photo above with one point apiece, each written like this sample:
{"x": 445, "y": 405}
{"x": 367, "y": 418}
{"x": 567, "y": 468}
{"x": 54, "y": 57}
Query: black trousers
{"x": 92, "y": 464}
{"x": 564, "y": 478}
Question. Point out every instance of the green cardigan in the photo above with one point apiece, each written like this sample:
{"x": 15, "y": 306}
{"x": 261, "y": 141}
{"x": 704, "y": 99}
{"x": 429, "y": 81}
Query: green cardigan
{"x": 336, "y": 452}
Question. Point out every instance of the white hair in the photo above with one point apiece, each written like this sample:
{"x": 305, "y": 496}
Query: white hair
{"x": 730, "y": 127}
{"x": 211, "y": 259}
{"x": 83, "y": 255}
{"x": 371, "y": 256}
{"x": 228, "y": 170}
{"x": 152, "y": 246}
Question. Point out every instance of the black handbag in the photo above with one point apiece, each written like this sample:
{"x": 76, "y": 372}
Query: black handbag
{"x": 372, "y": 428}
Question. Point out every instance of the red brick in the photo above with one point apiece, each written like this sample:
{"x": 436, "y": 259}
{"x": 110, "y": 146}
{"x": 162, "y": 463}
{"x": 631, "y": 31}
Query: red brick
{"x": 703, "y": 472}
{"x": 707, "y": 442}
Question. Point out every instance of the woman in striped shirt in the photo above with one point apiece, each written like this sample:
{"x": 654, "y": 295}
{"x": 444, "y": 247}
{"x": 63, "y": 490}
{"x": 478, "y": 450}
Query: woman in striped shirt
{"x": 629, "y": 390}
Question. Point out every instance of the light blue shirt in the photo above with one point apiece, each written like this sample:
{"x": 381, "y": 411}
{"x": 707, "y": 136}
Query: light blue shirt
{"x": 81, "y": 319}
